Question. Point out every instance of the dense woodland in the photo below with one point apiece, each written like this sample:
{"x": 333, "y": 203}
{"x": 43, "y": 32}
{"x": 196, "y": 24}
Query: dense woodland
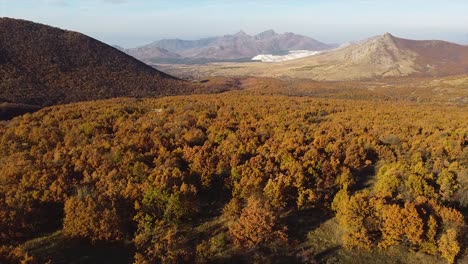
{"x": 235, "y": 177}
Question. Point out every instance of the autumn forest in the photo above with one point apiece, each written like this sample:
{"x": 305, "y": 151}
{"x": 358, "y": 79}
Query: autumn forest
{"x": 236, "y": 177}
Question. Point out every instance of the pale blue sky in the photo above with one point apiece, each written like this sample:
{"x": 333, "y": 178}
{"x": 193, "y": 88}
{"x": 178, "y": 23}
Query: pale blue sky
{"x": 136, "y": 22}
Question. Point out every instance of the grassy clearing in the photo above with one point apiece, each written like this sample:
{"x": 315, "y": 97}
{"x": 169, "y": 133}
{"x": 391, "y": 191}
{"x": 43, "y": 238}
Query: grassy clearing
{"x": 323, "y": 245}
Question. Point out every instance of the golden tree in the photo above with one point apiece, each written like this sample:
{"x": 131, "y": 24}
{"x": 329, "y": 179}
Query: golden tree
{"x": 356, "y": 215}
{"x": 392, "y": 225}
{"x": 257, "y": 226}
{"x": 448, "y": 245}
{"x": 413, "y": 224}
{"x": 92, "y": 218}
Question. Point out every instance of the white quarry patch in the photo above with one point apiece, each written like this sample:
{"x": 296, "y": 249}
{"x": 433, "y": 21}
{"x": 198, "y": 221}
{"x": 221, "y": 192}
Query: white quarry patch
{"x": 292, "y": 55}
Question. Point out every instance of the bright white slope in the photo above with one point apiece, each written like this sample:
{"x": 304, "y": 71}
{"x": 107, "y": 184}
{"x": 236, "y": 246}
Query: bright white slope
{"x": 293, "y": 54}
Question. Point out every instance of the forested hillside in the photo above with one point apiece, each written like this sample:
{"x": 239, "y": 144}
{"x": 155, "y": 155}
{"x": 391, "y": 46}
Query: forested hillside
{"x": 236, "y": 178}
{"x": 42, "y": 65}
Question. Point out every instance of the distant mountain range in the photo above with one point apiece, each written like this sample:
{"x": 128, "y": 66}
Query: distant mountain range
{"x": 41, "y": 65}
{"x": 378, "y": 57}
{"x": 237, "y": 47}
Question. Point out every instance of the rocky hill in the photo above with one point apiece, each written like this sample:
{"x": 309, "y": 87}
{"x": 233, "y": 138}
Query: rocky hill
{"x": 387, "y": 56}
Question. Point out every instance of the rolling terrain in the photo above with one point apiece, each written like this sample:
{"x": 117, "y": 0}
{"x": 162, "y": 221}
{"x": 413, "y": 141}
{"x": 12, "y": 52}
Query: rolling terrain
{"x": 366, "y": 164}
{"x": 376, "y": 58}
{"x": 452, "y": 90}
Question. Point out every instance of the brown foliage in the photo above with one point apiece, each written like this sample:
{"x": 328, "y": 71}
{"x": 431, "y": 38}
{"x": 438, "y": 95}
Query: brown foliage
{"x": 448, "y": 245}
{"x": 87, "y": 217}
{"x": 153, "y": 169}
{"x": 12, "y": 255}
{"x": 257, "y": 226}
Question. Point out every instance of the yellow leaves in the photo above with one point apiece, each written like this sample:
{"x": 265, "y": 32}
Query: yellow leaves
{"x": 418, "y": 181}
{"x": 306, "y": 198}
{"x": 419, "y": 169}
{"x": 286, "y": 190}
{"x": 164, "y": 245}
{"x": 448, "y": 245}
{"x": 90, "y": 218}
{"x": 358, "y": 239}
{"x": 340, "y": 201}
{"x": 250, "y": 181}
{"x": 232, "y": 209}
{"x": 257, "y": 226}
{"x": 355, "y": 155}
{"x": 363, "y": 217}
{"x": 448, "y": 183}
{"x": 276, "y": 191}
{"x": 194, "y": 136}
{"x": 429, "y": 245}
{"x": 345, "y": 179}
{"x": 357, "y": 217}
{"x": 393, "y": 225}
{"x": 389, "y": 179}
{"x": 451, "y": 216}
{"x": 413, "y": 224}
{"x": 431, "y": 228}
{"x": 202, "y": 148}
{"x": 418, "y": 186}
{"x": 10, "y": 254}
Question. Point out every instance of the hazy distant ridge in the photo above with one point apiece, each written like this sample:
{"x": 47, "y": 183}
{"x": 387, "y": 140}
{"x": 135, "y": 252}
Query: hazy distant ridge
{"x": 226, "y": 48}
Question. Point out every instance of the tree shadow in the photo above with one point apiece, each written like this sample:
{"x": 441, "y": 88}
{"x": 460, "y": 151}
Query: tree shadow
{"x": 322, "y": 256}
{"x": 59, "y": 249}
{"x": 300, "y": 223}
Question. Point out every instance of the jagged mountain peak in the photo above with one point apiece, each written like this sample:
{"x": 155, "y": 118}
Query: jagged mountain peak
{"x": 266, "y": 34}
{"x": 388, "y": 35}
{"x": 241, "y": 33}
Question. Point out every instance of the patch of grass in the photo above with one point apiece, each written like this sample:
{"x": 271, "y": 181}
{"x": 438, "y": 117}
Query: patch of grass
{"x": 324, "y": 245}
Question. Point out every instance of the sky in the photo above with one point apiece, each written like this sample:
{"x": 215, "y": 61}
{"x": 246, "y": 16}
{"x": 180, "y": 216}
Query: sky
{"x": 131, "y": 23}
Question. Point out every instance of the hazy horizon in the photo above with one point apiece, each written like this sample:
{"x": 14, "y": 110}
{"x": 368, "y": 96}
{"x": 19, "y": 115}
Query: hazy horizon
{"x": 135, "y": 23}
